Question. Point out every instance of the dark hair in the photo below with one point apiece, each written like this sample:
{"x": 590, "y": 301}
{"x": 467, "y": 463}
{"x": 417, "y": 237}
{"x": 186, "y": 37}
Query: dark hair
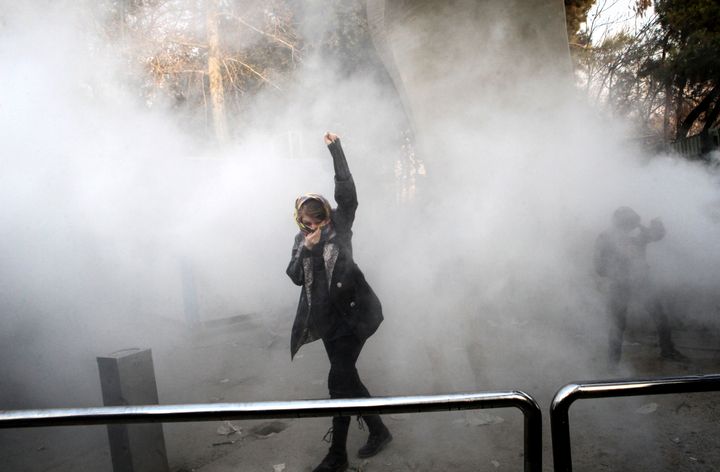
{"x": 626, "y": 218}
{"x": 314, "y": 208}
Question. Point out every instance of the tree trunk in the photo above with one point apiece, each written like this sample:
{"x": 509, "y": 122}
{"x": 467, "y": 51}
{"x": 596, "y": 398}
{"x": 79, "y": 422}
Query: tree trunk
{"x": 681, "y": 83}
{"x": 701, "y": 108}
{"x": 217, "y": 91}
{"x": 712, "y": 116}
{"x": 668, "y": 96}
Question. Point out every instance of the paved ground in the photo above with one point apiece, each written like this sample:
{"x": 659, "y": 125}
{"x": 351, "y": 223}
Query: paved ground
{"x": 250, "y": 363}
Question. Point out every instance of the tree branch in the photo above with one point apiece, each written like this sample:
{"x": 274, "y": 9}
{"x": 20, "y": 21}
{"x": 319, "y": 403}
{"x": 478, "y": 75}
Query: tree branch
{"x": 259, "y": 31}
{"x": 265, "y": 79}
{"x": 695, "y": 113}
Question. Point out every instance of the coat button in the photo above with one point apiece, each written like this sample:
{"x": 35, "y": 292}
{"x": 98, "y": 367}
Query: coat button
{"x": 338, "y": 285}
{"x": 352, "y": 304}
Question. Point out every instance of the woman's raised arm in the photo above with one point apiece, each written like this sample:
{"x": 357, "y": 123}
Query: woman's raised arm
{"x": 345, "y": 193}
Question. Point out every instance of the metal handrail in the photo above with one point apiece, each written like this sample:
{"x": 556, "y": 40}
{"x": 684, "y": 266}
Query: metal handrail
{"x": 559, "y": 409}
{"x": 293, "y": 409}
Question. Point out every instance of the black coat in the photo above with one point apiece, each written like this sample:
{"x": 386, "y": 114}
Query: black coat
{"x": 350, "y": 294}
{"x": 620, "y": 255}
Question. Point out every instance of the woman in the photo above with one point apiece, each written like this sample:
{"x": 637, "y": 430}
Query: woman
{"x": 336, "y": 303}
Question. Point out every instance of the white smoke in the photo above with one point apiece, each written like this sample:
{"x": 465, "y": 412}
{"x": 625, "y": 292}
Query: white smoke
{"x": 486, "y": 277}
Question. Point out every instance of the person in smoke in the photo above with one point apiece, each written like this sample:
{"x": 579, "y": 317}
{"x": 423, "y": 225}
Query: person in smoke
{"x": 620, "y": 257}
{"x": 337, "y": 305}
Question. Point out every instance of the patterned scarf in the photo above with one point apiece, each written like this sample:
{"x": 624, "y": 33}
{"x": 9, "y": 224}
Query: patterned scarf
{"x": 299, "y": 201}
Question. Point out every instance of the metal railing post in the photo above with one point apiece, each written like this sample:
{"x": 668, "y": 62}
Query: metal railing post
{"x": 532, "y": 433}
{"x": 559, "y": 409}
{"x": 294, "y": 409}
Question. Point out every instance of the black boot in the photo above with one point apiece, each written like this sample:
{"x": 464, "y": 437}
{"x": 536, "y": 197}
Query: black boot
{"x": 673, "y": 354}
{"x": 336, "y": 459}
{"x": 667, "y": 348}
{"x": 333, "y": 462}
{"x": 379, "y": 437}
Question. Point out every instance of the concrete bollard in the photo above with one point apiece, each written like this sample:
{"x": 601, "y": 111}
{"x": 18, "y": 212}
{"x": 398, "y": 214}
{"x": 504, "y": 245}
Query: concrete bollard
{"x": 127, "y": 377}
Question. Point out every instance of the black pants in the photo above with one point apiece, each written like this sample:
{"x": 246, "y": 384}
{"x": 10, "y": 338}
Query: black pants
{"x": 344, "y": 382}
{"x": 620, "y": 296}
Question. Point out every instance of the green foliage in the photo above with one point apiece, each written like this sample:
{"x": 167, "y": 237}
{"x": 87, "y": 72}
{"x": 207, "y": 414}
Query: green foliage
{"x": 693, "y": 31}
{"x": 665, "y": 77}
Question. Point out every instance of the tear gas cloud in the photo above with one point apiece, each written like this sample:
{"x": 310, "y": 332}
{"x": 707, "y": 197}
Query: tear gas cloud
{"x": 485, "y": 277}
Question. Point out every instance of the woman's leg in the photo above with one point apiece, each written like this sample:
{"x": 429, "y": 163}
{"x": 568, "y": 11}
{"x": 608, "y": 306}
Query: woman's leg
{"x": 344, "y": 382}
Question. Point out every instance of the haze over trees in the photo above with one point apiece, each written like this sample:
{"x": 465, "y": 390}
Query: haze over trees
{"x": 204, "y": 57}
{"x": 663, "y": 76}
{"x": 207, "y": 59}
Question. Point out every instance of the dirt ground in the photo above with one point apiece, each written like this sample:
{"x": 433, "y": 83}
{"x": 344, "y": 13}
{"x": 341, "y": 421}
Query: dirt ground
{"x": 658, "y": 433}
